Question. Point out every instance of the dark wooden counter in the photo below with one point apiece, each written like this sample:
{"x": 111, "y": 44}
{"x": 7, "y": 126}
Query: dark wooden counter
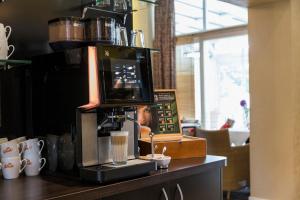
{"x": 42, "y": 187}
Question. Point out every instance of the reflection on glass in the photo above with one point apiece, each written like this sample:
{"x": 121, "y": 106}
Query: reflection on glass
{"x": 226, "y": 81}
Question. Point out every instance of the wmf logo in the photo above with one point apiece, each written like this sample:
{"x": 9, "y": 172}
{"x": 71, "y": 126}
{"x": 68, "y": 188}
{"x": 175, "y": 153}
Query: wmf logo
{"x": 106, "y": 53}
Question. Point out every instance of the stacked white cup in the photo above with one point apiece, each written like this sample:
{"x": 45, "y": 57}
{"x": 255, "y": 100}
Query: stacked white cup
{"x": 5, "y": 32}
{"x": 11, "y": 162}
{"x": 32, "y": 154}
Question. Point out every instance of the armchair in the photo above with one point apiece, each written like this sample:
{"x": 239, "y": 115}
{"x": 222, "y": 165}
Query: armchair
{"x": 237, "y": 170}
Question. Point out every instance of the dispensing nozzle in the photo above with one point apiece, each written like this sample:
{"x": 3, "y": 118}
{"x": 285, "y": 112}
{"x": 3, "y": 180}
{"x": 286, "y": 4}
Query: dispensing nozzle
{"x": 151, "y": 135}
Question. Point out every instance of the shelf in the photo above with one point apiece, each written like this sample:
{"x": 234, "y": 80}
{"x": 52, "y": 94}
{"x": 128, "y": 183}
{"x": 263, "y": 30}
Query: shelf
{"x": 60, "y": 46}
{"x": 8, "y": 64}
{"x": 155, "y": 2}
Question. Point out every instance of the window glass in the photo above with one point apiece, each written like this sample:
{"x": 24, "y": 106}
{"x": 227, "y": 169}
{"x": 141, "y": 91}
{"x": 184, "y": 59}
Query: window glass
{"x": 220, "y": 15}
{"x": 189, "y": 15}
{"x": 187, "y": 65}
{"x": 226, "y": 81}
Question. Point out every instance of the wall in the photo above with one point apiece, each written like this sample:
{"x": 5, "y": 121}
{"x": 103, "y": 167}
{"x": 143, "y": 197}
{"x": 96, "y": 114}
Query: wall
{"x": 295, "y": 34}
{"x": 274, "y": 87}
{"x": 29, "y": 22}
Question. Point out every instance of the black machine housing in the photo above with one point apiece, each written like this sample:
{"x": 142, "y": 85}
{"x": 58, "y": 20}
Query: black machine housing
{"x": 60, "y": 95}
{"x": 60, "y": 84}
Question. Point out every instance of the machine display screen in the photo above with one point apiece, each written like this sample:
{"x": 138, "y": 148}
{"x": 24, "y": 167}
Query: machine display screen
{"x": 125, "y": 73}
{"x": 126, "y": 76}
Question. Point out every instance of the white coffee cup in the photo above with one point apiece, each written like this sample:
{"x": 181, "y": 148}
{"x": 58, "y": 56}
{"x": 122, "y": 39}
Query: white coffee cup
{"x": 33, "y": 146}
{"x": 5, "y": 32}
{"x": 2, "y": 140}
{"x": 34, "y": 164}
{"x": 5, "y": 49}
{"x": 12, "y": 149}
{"x": 11, "y": 167}
{"x": 19, "y": 139}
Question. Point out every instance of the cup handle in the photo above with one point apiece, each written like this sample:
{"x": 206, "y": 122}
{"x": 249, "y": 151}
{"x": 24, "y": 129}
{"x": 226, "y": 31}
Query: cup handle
{"x": 44, "y": 162}
{"x": 23, "y": 147}
{"x": 13, "y": 49}
{"x": 21, "y": 162}
{"x": 8, "y": 28}
{"x": 41, "y": 143}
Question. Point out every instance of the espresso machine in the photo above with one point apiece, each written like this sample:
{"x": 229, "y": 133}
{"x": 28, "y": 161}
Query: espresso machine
{"x": 92, "y": 91}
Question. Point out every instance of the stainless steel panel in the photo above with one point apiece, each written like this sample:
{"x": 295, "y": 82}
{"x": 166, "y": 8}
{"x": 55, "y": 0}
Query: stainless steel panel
{"x": 129, "y": 126}
{"x": 89, "y": 139}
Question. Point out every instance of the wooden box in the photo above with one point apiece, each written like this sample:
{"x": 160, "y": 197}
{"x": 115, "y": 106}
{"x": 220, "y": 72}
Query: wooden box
{"x": 187, "y": 147}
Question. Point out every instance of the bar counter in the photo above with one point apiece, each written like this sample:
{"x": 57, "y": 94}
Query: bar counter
{"x": 193, "y": 175}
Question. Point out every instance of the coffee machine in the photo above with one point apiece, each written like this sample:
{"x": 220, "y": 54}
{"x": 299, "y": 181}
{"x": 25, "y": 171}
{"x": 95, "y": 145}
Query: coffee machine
{"x": 91, "y": 91}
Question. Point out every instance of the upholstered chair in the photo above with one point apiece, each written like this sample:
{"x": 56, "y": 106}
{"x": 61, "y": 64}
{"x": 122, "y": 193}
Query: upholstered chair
{"x": 236, "y": 173}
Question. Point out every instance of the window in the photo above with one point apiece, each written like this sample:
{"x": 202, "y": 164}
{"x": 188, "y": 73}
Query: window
{"x": 212, "y": 66}
{"x": 196, "y": 16}
{"x": 188, "y": 16}
{"x": 226, "y": 81}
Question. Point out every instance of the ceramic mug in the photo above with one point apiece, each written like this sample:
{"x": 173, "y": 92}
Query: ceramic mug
{"x": 4, "y": 49}
{"x": 33, "y": 146}
{"x": 20, "y": 139}
{"x": 34, "y": 164}
{"x": 3, "y": 140}
{"x": 12, "y": 149}
{"x": 11, "y": 166}
{"x": 5, "y": 32}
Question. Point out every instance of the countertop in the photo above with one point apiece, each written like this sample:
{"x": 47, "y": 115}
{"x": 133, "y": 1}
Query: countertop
{"x": 49, "y": 187}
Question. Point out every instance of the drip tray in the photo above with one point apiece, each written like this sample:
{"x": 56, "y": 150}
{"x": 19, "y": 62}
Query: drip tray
{"x": 110, "y": 173}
